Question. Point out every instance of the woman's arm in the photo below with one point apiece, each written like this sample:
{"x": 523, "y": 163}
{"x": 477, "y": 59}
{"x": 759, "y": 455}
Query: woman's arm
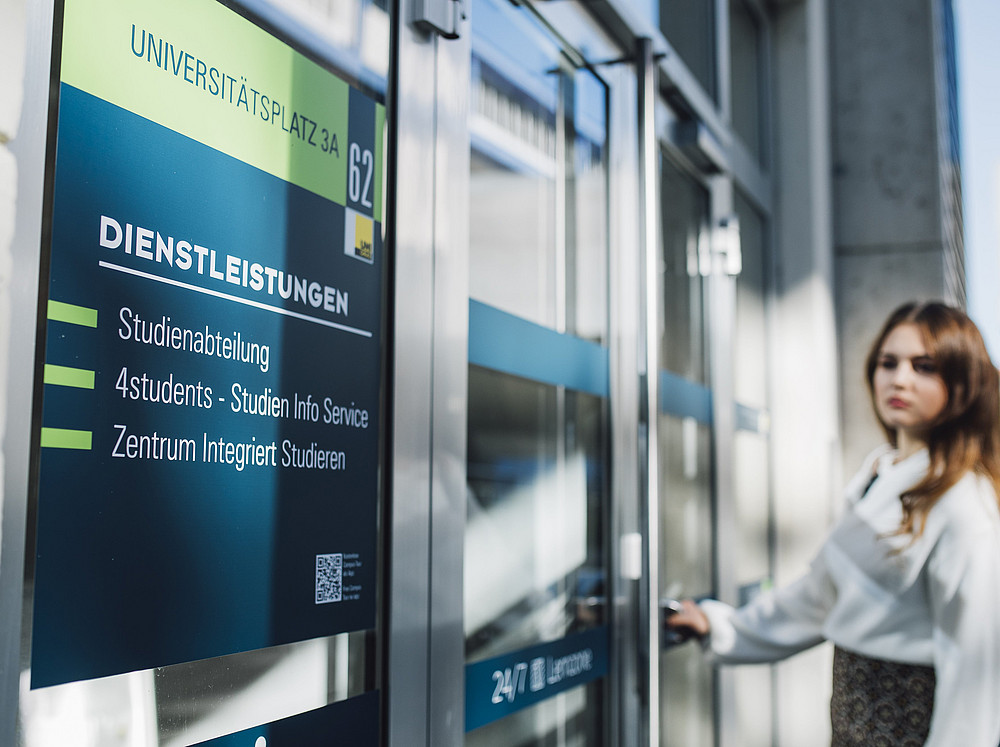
{"x": 774, "y": 626}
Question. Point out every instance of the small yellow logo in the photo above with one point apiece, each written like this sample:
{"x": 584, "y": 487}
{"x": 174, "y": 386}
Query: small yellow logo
{"x": 363, "y": 237}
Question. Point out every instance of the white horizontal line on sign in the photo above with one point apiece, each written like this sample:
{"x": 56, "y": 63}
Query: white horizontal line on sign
{"x": 235, "y": 299}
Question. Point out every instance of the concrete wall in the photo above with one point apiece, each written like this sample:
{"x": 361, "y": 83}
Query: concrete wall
{"x": 805, "y": 437}
{"x": 887, "y": 200}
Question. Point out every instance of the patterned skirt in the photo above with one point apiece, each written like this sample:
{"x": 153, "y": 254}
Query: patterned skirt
{"x": 878, "y": 703}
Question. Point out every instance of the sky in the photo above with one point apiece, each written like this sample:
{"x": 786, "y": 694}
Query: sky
{"x": 978, "y": 32}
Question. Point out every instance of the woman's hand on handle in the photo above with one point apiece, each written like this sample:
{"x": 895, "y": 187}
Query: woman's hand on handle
{"x": 691, "y": 617}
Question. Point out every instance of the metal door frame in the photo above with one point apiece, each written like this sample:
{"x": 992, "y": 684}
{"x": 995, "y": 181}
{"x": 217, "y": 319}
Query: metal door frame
{"x": 426, "y": 517}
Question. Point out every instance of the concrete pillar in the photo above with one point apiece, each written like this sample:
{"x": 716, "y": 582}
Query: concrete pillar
{"x": 887, "y": 189}
{"x": 805, "y": 435}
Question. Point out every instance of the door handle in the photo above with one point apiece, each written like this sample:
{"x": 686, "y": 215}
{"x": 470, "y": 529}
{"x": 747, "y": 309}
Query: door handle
{"x": 671, "y": 636}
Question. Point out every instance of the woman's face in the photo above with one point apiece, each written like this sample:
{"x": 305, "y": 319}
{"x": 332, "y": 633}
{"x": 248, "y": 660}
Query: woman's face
{"x": 909, "y": 392}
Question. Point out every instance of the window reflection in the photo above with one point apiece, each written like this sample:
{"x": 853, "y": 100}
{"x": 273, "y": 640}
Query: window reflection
{"x": 751, "y": 450}
{"x": 751, "y": 463}
{"x": 750, "y": 340}
{"x": 538, "y": 181}
{"x": 684, "y": 225}
{"x": 355, "y": 32}
{"x": 689, "y": 26}
{"x": 535, "y": 554}
{"x": 685, "y": 455}
{"x": 685, "y": 506}
{"x": 196, "y": 701}
{"x": 686, "y": 695}
{"x": 534, "y": 546}
{"x": 574, "y": 718}
{"x": 745, "y": 76}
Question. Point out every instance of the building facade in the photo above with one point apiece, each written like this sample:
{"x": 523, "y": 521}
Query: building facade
{"x": 588, "y": 339}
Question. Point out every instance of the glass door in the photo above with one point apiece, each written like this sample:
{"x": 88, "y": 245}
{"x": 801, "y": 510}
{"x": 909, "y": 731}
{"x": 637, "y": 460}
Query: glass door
{"x": 536, "y": 539}
{"x": 753, "y": 521}
{"x": 684, "y": 431}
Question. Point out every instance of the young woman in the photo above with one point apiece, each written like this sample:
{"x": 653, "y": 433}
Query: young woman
{"x": 907, "y": 586}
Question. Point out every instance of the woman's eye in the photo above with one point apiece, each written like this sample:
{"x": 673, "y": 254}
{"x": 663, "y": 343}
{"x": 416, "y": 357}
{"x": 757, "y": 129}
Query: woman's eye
{"x": 887, "y": 363}
{"x": 925, "y": 367}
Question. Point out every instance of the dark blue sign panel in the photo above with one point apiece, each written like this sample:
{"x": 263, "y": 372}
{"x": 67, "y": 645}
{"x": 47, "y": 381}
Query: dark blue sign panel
{"x": 210, "y": 425}
{"x": 497, "y": 687}
{"x": 351, "y": 722}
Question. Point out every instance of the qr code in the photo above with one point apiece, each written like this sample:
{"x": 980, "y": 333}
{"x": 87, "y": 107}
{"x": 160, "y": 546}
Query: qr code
{"x": 329, "y": 577}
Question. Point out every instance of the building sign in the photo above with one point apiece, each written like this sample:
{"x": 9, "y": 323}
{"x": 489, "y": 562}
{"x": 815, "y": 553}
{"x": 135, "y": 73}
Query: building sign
{"x": 497, "y": 687}
{"x": 210, "y": 425}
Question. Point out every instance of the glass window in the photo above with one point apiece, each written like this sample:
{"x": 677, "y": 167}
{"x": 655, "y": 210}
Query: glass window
{"x": 751, "y": 328}
{"x": 689, "y": 26}
{"x": 685, "y": 454}
{"x": 753, "y": 697}
{"x": 587, "y": 177}
{"x": 686, "y": 506}
{"x": 751, "y": 463}
{"x": 538, "y": 454}
{"x": 686, "y": 569}
{"x": 538, "y": 169}
{"x": 684, "y": 214}
{"x": 745, "y": 67}
{"x": 513, "y": 172}
{"x": 751, "y": 448}
{"x": 534, "y": 546}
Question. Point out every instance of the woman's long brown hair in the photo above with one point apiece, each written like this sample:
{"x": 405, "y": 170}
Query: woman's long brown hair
{"x": 966, "y": 435}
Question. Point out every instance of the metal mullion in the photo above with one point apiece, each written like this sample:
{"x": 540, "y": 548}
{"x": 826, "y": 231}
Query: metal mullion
{"x": 563, "y": 151}
{"x": 649, "y": 363}
{"x": 410, "y": 211}
{"x": 449, "y": 376}
{"x": 721, "y": 316}
{"x": 623, "y": 398}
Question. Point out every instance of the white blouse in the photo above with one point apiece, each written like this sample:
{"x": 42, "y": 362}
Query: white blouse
{"x": 935, "y": 601}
